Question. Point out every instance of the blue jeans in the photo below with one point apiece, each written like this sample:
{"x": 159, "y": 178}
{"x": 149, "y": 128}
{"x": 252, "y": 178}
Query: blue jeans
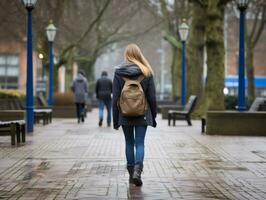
{"x": 134, "y": 141}
{"x": 108, "y": 104}
{"x": 80, "y": 108}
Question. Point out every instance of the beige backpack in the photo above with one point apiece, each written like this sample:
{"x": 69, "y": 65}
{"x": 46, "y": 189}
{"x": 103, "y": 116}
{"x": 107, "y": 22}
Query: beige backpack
{"x": 132, "y": 102}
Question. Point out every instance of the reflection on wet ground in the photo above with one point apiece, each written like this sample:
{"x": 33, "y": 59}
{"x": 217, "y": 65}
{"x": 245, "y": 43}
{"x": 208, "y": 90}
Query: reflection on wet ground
{"x": 65, "y": 160}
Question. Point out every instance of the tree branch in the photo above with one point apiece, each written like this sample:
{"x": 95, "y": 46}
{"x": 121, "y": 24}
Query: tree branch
{"x": 89, "y": 29}
{"x": 261, "y": 27}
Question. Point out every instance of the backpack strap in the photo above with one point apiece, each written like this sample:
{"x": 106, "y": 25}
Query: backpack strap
{"x": 139, "y": 79}
{"x": 125, "y": 79}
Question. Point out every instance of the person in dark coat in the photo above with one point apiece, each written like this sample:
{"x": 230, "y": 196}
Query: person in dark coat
{"x": 134, "y": 128}
{"x": 103, "y": 91}
{"x": 80, "y": 90}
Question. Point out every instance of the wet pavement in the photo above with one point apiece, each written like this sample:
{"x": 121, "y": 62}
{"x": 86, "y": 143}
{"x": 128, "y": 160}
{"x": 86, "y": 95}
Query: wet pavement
{"x": 65, "y": 160}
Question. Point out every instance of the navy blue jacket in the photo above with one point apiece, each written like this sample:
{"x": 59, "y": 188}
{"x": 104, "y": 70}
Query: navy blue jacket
{"x": 103, "y": 88}
{"x": 132, "y": 71}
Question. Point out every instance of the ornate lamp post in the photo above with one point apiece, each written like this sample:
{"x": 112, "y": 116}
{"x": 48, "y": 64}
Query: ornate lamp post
{"x": 183, "y": 32}
{"x": 51, "y": 32}
{"x": 29, "y": 5}
{"x": 242, "y": 6}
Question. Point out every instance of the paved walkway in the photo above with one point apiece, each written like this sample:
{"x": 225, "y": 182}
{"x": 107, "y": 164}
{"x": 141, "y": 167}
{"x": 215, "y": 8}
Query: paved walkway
{"x": 65, "y": 160}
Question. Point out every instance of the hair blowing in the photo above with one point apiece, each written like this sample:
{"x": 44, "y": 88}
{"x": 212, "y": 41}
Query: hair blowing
{"x": 134, "y": 55}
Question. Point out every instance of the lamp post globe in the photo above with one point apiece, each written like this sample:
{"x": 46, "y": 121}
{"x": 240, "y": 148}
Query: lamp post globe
{"x": 29, "y": 5}
{"x": 183, "y": 33}
{"x": 242, "y": 4}
{"x": 50, "y": 32}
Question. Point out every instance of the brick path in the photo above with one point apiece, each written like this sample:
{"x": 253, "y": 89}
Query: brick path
{"x": 65, "y": 160}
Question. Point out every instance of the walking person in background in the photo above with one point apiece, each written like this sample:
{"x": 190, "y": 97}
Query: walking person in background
{"x": 134, "y": 107}
{"x": 103, "y": 94}
{"x": 80, "y": 90}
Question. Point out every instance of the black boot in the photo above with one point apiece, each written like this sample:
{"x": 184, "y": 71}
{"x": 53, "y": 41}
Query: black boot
{"x": 130, "y": 170}
{"x": 100, "y": 123}
{"x": 137, "y": 175}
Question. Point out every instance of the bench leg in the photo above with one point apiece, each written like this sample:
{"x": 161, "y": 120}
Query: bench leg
{"x": 189, "y": 121}
{"x": 43, "y": 118}
{"x": 174, "y": 119}
{"x": 47, "y": 118}
{"x": 23, "y": 131}
{"x": 18, "y": 132}
{"x": 203, "y": 124}
{"x": 169, "y": 119}
{"x": 13, "y": 134}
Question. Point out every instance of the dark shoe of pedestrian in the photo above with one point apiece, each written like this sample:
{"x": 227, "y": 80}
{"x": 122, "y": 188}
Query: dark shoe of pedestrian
{"x": 78, "y": 121}
{"x": 100, "y": 122}
{"x": 130, "y": 170}
{"x": 137, "y": 175}
{"x": 82, "y": 116}
{"x": 109, "y": 124}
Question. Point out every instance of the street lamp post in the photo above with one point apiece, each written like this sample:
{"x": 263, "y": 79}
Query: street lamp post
{"x": 242, "y": 6}
{"x": 51, "y": 32}
{"x": 29, "y": 5}
{"x": 183, "y": 32}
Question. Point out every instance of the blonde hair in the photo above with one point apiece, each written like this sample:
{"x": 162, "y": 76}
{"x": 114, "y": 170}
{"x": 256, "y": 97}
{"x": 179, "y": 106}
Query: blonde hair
{"x": 134, "y": 55}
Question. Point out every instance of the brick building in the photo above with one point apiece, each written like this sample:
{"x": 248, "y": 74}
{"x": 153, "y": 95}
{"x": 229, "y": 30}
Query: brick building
{"x": 13, "y": 65}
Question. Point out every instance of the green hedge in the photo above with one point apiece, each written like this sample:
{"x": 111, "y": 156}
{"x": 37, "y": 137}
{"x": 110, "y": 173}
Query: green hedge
{"x": 64, "y": 99}
{"x": 12, "y": 93}
{"x": 230, "y": 102}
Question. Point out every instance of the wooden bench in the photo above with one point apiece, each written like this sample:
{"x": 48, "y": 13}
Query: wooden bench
{"x": 14, "y": 129}
{"x": 184, "y": 114}
{"x": 255, "y": 106}
{"x": 44, "y": 114}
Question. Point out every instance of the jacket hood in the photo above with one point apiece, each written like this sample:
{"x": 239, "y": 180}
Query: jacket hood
{"x": 128, "y": 70}
{"x": 80, "y": 77}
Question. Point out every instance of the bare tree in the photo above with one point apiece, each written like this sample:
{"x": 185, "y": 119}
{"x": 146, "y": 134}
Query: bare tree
{"x": 85, "y": 28}
{"x": 109, "y": 22}
{"x": 171, "y": 12}
{"x": 257, "y": 10}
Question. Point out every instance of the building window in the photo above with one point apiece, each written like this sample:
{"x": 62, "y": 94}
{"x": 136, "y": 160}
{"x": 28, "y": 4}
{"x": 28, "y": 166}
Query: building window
{"x": 9, "y": 71}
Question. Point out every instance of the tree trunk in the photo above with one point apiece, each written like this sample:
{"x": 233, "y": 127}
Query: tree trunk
{"x": 176, "y": 73}
{"x": 215, "y": 51}
{"x": 68, "y": 78}
{"x": 195, "y": 51}
{"x": 250, "y": 71}
{"x": 55, "y": 78}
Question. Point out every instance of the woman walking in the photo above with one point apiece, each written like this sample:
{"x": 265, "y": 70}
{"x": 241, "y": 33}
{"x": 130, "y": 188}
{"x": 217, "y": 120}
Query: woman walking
{"x": 135, "y": 70}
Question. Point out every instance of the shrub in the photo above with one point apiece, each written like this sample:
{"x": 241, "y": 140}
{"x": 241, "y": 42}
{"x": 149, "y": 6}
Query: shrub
{"x": 12, "y": 93}
{"x": 230, "y": 102}
{"x": 64, "y": 99}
